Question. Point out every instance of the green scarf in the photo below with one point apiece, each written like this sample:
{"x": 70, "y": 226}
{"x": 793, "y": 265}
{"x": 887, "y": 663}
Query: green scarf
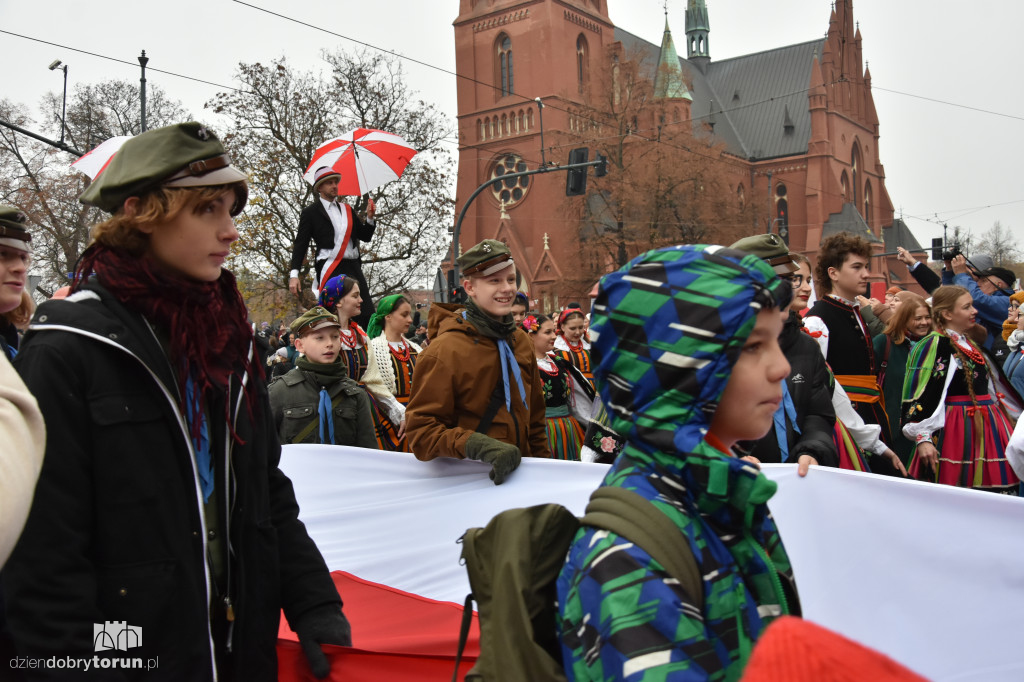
{"x": 384, "y": 308}
{"x": 326, "y": 374}
{"x": 487, "y": 325}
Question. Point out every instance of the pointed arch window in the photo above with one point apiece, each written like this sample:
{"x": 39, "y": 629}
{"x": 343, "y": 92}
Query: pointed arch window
{"x": 581, "y": 61}
{"x": 867, "y": 203}
{"x": 855, "y": 172}
{"x": 505, "y": 74}
{"x": 844, "y": 187}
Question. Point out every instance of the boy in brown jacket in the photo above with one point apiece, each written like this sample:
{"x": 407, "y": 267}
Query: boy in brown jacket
{"x": 477, "y": 393}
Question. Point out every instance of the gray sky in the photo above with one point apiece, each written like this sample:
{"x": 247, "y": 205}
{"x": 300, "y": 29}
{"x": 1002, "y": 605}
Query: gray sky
{"x": 939, "y": 159}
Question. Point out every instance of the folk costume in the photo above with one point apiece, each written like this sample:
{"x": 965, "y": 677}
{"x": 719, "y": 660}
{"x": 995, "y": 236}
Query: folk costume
{"x": 335, "y": 230}
{"x": 620, "y": 616}
{"x": 576, "y": 353}
{"x": 568, "y": 400}
{"x": 362, "y": 366}
{"x": 892, "y": 370}
{"x": 955, "y": 396}
{"x": 849, "y": 351}
{"x": 395, "y": 360}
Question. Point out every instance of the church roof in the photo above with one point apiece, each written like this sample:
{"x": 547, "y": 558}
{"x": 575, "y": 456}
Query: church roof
{"x": 756, "y": 104}
{"x": 848, "y": 220}
{"x": 898, "y": 234}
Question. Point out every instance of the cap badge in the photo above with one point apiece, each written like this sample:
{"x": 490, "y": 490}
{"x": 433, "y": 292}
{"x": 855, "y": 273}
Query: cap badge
{"x": 486, "y": 248}
{"x": 203, "y": 134}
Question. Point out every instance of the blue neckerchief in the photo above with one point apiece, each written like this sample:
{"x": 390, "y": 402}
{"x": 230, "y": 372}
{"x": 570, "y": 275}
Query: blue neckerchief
{"x": 11, "y": 352}
{"x": 201, "y": 444}
{"x": 786, "y": 409}
{"x": 326, "y": 416}
{"x": 508, "y": 362}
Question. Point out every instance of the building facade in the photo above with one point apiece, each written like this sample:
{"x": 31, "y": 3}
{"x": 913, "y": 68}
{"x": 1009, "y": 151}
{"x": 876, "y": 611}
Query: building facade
{"x": 797, "y": 122}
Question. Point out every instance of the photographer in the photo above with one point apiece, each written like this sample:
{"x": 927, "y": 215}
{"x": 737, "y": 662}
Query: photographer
{"x": 990, "y": 289}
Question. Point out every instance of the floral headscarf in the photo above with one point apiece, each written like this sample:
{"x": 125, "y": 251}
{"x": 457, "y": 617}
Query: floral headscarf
{"x": 331, "y": 293}
{"x": 384, "y": 308}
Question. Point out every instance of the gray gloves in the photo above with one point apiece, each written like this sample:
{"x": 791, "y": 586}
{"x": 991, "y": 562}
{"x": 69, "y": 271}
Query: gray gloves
{"x": 322, "y": 625}
{"x": 502, "y": 457}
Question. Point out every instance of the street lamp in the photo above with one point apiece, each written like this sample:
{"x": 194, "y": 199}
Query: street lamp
{"x": 143, "y": 60}
{"x": 56, "y": 64}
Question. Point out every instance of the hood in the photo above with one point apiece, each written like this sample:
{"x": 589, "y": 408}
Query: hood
{"x": 666, "y": 331}
{"x": 446, "y": 317}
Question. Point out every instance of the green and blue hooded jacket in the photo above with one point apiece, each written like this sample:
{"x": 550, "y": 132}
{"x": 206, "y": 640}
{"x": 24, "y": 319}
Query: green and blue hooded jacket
{"x": 667, "y": 330}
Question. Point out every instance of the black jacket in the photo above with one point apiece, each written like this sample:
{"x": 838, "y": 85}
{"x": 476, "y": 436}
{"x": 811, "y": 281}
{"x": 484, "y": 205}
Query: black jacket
{"x": 808, "y": 383}
{"x": 316, "y": 226}
{"x": 117, "y": 530}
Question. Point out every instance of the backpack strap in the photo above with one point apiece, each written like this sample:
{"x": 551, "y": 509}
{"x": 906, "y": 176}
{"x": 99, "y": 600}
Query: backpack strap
{"x": 636, "y": 519}
{"x": 467, "y": 621}
{"x": 304, "y": 433}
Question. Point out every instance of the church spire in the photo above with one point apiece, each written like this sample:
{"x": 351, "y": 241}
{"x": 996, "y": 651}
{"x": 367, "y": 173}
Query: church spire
{"x": 697, "y": 29}
{"x": 668, "y": 82}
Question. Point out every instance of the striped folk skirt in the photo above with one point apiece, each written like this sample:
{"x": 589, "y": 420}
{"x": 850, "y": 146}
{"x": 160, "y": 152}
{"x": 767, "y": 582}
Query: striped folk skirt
{"x": 565, "y": 435}
{"x": 850, "y": 455}
{"x": 972, "y": 447}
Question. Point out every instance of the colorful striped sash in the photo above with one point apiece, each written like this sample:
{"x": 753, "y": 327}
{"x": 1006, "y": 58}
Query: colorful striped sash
{"x": 862, "y": 388}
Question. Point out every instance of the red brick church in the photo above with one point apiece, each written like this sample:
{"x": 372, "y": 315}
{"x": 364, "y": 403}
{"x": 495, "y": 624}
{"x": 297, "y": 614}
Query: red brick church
{"x": 798, "y": 121}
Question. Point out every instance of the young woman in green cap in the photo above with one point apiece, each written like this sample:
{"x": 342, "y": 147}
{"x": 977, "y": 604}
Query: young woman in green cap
{"x": 160, "y": 504}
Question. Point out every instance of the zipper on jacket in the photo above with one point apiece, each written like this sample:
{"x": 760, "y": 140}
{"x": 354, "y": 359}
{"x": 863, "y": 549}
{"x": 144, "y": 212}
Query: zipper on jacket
{"x": 188, "y": 444}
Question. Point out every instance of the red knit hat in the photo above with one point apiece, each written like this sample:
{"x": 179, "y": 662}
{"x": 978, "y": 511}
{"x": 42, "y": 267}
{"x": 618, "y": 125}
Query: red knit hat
{"x": 795, "y": 650}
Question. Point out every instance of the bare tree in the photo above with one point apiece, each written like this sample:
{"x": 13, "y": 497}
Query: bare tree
{"x": 280, "y": 116}
{"x": 37, "y": 178}
{"x": 999, "y": 242}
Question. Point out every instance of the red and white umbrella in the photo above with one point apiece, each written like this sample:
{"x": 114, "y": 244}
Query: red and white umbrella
{"x": 366, "y": 159}
{"x": 96, "y": 161}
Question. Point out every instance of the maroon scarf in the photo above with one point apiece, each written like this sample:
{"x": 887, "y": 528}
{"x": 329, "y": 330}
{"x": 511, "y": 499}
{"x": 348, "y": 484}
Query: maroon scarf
{"x": 206, "y": 322}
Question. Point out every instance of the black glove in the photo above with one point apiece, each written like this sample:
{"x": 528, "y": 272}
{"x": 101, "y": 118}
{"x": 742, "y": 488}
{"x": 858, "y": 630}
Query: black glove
{"x": 502, "y": 457}
{"x": 322, "y": 625}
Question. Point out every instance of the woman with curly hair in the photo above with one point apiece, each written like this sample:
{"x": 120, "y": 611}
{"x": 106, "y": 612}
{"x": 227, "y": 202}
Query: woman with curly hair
{"x": 568, "y": 396}
{"x": 958, "y": 409}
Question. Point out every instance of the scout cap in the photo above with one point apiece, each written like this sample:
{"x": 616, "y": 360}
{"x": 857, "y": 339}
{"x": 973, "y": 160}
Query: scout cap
{"x": 182, "y": 155}
{"x": 13, "y": 230}
{"x": 315, "y": 318}
{"x": 323, "y": 173}
{"x": 771, "y": 249}
{"x": 486, "y": 258}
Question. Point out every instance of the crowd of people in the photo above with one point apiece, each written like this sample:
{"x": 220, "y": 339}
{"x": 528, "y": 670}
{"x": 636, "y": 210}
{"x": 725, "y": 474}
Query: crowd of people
{"x": 159, "y": 500}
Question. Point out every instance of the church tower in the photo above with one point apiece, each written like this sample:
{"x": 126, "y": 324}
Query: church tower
{"x": 698, "y": 52}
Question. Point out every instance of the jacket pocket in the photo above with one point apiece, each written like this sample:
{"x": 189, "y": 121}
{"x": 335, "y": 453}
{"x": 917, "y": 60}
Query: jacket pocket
{"x": 143, "y": 595}
{"x": 130, "y": 436}
{"x": 295, "y": 419}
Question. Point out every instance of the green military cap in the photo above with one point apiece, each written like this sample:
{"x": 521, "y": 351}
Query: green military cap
{"x": 13, "y": 230}
{"x": 771, "y": 249}
{"x": 182, "y": 155}
{"x": 315, "y": 318}
{"x": 486, "y": 258}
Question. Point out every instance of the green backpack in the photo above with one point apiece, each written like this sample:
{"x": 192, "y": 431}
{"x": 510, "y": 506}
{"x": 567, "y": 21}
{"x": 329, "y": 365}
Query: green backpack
{"x": 514, "y": 562}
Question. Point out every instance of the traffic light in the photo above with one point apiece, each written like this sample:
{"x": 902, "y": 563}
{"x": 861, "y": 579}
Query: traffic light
{"x": 576, "y": 180}
{"x": 601, "y": 169}
{"x": 937, "y": 248}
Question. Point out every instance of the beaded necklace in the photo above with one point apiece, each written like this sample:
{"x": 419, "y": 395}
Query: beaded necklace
{"x": 402, "y": 355}
{"x": 350, "y": 336}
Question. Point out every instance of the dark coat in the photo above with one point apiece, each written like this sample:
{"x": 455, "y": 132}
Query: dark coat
{"x": 316, "y": 226}
{"x": 117, "y": 530}
{"x": 809, "y": 387}
{"x": 295, "y": 400}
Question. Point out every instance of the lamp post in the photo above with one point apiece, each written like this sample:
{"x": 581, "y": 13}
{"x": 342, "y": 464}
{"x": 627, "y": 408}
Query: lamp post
{"x": 143, "y": 60}
{"x": 56, "y": 64}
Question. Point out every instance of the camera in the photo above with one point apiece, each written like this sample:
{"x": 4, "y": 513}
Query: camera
{"x": 952, "y": 252}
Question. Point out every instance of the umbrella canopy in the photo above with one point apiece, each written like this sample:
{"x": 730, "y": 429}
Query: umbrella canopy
{"x": 94, "y": 162}
{"x": 366, "y": 159}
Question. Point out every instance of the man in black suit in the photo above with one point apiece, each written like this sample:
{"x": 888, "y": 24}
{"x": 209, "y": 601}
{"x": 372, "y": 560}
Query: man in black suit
{"x": 336, "y": 231}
